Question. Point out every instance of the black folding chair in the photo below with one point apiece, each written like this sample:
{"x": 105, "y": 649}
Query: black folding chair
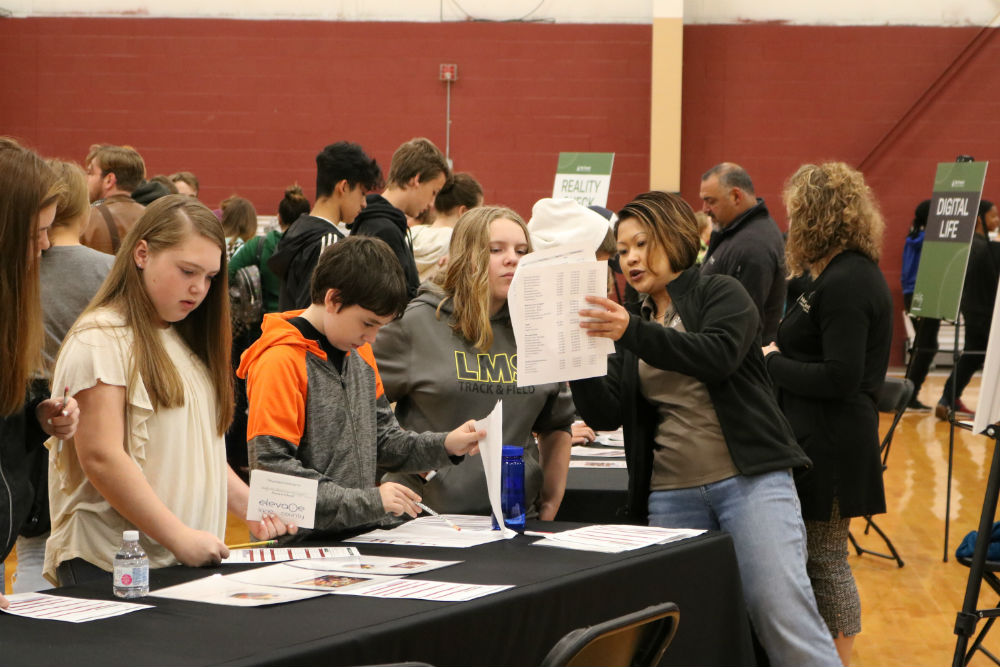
{"x": 632, "y": 640}
{"x": 893, "y": 398}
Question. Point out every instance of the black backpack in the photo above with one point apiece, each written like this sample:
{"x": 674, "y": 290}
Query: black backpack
{"x": 246, "y": 297}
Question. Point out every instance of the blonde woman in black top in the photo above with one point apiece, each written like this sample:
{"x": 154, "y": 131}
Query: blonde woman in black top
{"x": 828, "y": 363}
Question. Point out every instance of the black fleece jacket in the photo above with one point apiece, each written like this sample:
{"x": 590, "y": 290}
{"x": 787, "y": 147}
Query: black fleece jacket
{"x": 721, "y": 348}
{"x": 381, "y": 219}
{"x": 296, "y": 256}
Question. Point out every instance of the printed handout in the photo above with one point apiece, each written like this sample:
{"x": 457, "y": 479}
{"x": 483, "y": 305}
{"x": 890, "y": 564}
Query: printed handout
{"x": 217, "y": 589}
{"x": 432, "y": 531}
{"x": 616, "y": 538}
{"x": 418, "y": 589}
{"x": 598, "y": 464}
{"x": 72, "y": 610}
{"x": 278, "y": 554}
{"x": 386, "y": 565}
{"x": 284, "y": 575}
{"x": 292, "y": 499}
{"x": 581, "y": 450}
{"x": 544, "y": 300}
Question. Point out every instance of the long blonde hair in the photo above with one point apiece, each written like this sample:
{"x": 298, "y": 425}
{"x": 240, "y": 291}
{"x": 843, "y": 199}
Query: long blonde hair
{"x": 27, "y": 185}
{"x": 167, "y": 222}
{"x": 830, "y": 209}
{"x": 466, "y": 283}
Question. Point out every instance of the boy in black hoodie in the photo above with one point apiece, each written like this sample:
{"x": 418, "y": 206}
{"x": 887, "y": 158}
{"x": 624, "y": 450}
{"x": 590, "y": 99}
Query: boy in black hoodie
{"x": 416, "y": 174}
{"x": 344, "y": 173}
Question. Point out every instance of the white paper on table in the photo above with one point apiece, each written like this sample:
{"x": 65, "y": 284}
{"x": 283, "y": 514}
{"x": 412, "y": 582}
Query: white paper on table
{"x": 72, "y": 610}
{"x": 582, "y": 450}
{"x": 419, "y": 589}
{"x": 217, "y": 589}
{"x": 432, "y": 531}
{"x": 387, "y": 565}
{"x": 278, "y": 554}
{"x": 616, "y": 538}
{"x": 611, "y": 438}
{"x": 598, "y": 464}
{"x": 491, "y": 451}
{"x": 291, "y": 498}
{"x": 284, "y": 575}
{"x": 551, "y": 345}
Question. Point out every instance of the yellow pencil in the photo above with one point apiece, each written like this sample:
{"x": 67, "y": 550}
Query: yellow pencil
{"x": 248, "y": 545}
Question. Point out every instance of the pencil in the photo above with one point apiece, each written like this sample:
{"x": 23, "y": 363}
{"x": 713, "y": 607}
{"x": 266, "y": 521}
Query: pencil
{"x": 248, "y": 545}
{"x": 65, "y": 398}
{"x": 433, "y": 513}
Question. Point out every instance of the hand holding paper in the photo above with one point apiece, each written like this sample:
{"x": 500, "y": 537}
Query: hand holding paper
{"x": 606, "y": 319}
{"x": 289, "y": 498}
{"x": 464, "y": 439}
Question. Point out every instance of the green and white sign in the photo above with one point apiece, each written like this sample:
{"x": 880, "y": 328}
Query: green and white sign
{"x": 585, "y": 177}
{"x": 958, "y": 187}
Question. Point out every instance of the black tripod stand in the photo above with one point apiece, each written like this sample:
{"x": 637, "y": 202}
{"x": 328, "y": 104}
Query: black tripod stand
{"x": 968, "y": 618}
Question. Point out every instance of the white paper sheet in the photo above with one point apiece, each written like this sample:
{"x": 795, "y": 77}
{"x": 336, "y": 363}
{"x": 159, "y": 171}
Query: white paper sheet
{"x": 431, "y": 531}
{"x": 291, "y": 498}
{"x": 284, "y": 575}
{"x": 217, "y": 589}
{"x": 544, "y": 300}
{"x": 611, "y": 438}
{"x": 603, "y": 452}
{"x": 988, "y": 409}
{"x": 278, "y": 554}
{"x": 71, "y": 610}
{"x": 387, "y": 565}
{"x": 616, "y": 538}
{"x": 419, "y": 589}
{"x": 491, "y": 451}
{"x": 598, "y": 464}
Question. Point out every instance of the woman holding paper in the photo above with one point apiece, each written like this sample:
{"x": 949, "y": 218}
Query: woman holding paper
{"x": 705, "y": 442}
{"x": 148, "y": 361}
{"x": 29, "y": 190}
{"x": 452, "y": 356}
{"x": 828, "y": 363}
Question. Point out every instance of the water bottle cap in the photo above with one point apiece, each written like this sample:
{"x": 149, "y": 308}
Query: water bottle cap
{"x": 513, "y": 450}
{"x": 131, "y": 535}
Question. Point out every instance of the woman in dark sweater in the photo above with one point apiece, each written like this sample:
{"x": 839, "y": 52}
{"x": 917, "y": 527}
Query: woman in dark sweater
{"x": 706, "y": 445}
{"x": 28, "y": 192}
{"x": 828, "y": 363}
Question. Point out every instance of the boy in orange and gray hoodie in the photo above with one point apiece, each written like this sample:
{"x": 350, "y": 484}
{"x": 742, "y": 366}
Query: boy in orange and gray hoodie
{"x": 317, "y": 408}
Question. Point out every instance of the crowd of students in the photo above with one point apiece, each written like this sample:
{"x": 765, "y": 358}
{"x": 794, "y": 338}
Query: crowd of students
{"x": 724, "y": 429}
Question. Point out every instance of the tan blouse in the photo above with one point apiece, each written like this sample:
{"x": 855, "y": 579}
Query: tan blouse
{"x": 178, "y": 449}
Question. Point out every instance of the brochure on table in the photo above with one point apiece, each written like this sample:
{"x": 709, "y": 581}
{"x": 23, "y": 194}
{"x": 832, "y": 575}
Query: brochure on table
{"x": 432, "y": 531}
{"x": 217, "y": 589}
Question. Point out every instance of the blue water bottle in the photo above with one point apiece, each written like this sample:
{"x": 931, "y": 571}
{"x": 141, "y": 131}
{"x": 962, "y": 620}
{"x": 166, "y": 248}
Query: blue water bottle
{"x": 512, "y": 488}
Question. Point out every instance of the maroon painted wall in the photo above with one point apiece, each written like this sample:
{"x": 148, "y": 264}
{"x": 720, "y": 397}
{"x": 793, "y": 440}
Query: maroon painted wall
{"x": 247, "y": 104}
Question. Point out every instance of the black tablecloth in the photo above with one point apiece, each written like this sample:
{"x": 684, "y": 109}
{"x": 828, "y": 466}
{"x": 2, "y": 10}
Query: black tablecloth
{"x": 595, "y": 495}
{"x": 556, "y": 590}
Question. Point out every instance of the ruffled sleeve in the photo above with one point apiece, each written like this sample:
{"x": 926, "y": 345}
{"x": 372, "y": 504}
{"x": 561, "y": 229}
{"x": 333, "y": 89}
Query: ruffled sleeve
{"x": 98, "y": 349}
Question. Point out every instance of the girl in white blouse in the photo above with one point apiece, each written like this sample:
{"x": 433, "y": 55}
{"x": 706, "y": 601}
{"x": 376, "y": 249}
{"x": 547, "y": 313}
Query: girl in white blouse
{"x": 148, "y": 362}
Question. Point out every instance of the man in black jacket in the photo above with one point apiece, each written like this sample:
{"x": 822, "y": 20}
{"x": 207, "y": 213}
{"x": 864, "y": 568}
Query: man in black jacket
{"x": 747, "y": 244}
{"x": 416, "y": 174}
{"x": 344, "y": 173}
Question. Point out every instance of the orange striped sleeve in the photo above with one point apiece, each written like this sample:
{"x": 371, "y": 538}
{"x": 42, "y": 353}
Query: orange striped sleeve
{"x": 277, "y": 386}
{"x": 366, "y": 353}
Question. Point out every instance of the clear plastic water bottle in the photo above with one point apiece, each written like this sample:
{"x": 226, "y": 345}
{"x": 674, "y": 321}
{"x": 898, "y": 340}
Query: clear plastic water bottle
{"x": 131, "y": 567}
{"x": 512, "y": 488}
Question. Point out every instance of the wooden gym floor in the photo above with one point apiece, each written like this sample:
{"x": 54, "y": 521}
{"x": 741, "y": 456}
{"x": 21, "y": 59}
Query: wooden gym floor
{"x": 908, "y": 613}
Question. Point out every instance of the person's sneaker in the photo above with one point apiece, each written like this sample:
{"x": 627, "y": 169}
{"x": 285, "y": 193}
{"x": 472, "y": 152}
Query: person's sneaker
{"x": 917, "y": 406}
{"x": 941, "y": 412}
{"x": 962, "y": 411}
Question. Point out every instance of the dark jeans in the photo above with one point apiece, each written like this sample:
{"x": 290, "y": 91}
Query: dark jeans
{"x": 78, "y": 571}
{"x": 925, "y": 347}
{"x": 977, "y": 334}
